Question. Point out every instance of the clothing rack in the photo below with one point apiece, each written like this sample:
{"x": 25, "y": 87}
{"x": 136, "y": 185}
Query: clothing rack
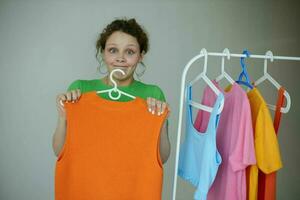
{"x": 182, "y": 92}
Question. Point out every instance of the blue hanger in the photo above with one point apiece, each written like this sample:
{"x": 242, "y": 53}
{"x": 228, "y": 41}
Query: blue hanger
{"x": 244, "y": 72}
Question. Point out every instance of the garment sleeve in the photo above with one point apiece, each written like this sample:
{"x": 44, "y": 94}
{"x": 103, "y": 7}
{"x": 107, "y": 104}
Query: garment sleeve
{"x": 159, "y": 94}
{"x": 74, "y": 85}
{"x": 266, "y": 143}
{"x": 243, "y": 154}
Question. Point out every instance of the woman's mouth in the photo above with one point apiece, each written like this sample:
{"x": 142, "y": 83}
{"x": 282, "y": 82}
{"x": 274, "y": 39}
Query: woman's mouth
{"x": 123, "y": 68}
{"x": 120, "y": 67}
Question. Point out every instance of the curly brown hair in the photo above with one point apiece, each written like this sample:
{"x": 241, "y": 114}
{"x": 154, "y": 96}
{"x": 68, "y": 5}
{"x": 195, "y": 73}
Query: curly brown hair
{"x": 130, "y": 27}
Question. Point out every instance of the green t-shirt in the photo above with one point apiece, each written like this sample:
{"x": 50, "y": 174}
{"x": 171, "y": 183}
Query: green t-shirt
{"x": 136, "y": 88}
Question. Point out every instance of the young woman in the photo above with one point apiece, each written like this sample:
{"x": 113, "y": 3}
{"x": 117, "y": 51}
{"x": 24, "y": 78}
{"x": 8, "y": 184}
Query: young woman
{"x": 121, "y": 45}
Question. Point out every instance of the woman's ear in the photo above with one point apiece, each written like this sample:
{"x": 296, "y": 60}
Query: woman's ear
{"x": 141, "y": 56}
{"x": 99, "y": 54}
{"x": 102, "y": 56}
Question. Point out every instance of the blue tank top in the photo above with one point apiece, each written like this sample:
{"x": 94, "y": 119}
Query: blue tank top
{"x": 199, "y": 158}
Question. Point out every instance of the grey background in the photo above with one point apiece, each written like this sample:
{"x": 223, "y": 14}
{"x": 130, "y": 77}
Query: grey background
{"x": 45, "y": 45}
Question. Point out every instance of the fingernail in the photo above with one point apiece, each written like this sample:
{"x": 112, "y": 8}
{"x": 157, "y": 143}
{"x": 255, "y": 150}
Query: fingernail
{"x": 159, "y": 113}
{"x": 149, "y": 109}
{"x": 153, "y": 112}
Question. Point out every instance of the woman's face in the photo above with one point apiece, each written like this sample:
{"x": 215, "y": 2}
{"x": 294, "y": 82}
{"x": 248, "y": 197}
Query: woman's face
{"x": 122, "y": 51}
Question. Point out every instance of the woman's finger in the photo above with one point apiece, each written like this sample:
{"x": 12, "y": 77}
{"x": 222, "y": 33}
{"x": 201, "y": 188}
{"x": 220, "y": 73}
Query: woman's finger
{"x": 151, "y": 104}
{"x": 158, "y": 107}
{"x": 60, "y": 99}
{"x": 74, "y": 95}
{"x": 163, "y": 107}
{"x": 69, "y": 96}
{"x": 78, "y": 94}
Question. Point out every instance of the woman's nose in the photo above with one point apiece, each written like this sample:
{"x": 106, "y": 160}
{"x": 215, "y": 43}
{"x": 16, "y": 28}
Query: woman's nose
{"x": 120, "y": 58}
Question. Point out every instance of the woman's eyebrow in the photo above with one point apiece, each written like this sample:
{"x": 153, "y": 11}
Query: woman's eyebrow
{"x": 131, "y": 45}
{"x": 111, "y": 44}
{"x": 126, "y": 45}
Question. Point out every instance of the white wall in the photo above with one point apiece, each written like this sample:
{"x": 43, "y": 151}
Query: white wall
{"x": 45, "y": 45}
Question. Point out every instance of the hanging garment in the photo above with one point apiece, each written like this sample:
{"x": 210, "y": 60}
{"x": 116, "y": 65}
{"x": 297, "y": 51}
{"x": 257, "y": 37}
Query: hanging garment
{"x": 267, "y": 182}
{"x": 234, "y": 142}
{"x": 111, "y": 151}
{"x": 266, "y": 145}
{"x": 199, "y": 158}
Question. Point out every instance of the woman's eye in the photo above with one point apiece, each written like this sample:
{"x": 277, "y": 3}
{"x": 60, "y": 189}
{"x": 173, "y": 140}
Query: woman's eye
{"x": 130, "y": 52}
{"x": 112, "y": 50}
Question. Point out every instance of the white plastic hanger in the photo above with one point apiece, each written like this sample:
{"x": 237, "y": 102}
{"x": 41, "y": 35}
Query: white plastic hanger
{"x": 115, "y": 88}
{"x": 223, "y": 73}
{"x": 267, "y": 76}
{"x": 203, "y": 76}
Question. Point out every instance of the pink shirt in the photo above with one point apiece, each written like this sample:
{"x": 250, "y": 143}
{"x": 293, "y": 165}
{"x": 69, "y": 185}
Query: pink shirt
{"x": 234, "y": 142}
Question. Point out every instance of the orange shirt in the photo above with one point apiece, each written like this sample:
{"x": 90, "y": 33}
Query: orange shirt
{"x": 267, "y": 182}
{"x": 111, "y": 151}
{"x": 267, "y": 152}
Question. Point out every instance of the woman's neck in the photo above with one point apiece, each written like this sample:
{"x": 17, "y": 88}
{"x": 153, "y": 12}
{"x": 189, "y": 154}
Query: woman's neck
{"x": 126, "y": 82}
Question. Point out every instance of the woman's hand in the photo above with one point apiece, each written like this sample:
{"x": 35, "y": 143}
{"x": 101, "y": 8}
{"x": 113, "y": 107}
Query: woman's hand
{"x": 157, "y": 107}
{"x": 73, "y": 96}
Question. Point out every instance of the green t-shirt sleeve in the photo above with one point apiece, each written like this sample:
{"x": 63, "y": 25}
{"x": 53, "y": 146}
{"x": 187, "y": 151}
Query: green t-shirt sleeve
{"x": 159, "y": 94}
{"x": 75, "y": 85}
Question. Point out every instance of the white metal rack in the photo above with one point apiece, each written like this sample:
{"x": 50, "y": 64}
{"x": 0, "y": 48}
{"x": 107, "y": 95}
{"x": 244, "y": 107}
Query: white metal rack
{"x": 202, "y": 54}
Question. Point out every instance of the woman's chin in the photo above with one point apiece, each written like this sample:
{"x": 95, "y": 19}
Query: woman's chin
{"x": 119, "y": 76}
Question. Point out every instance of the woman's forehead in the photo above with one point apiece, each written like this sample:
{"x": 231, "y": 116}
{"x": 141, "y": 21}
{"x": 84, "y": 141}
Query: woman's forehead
{"x": 121, "y": 38}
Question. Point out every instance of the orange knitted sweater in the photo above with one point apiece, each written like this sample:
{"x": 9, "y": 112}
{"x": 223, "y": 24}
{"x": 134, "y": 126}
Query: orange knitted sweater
{"x": 111, "y": 151}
